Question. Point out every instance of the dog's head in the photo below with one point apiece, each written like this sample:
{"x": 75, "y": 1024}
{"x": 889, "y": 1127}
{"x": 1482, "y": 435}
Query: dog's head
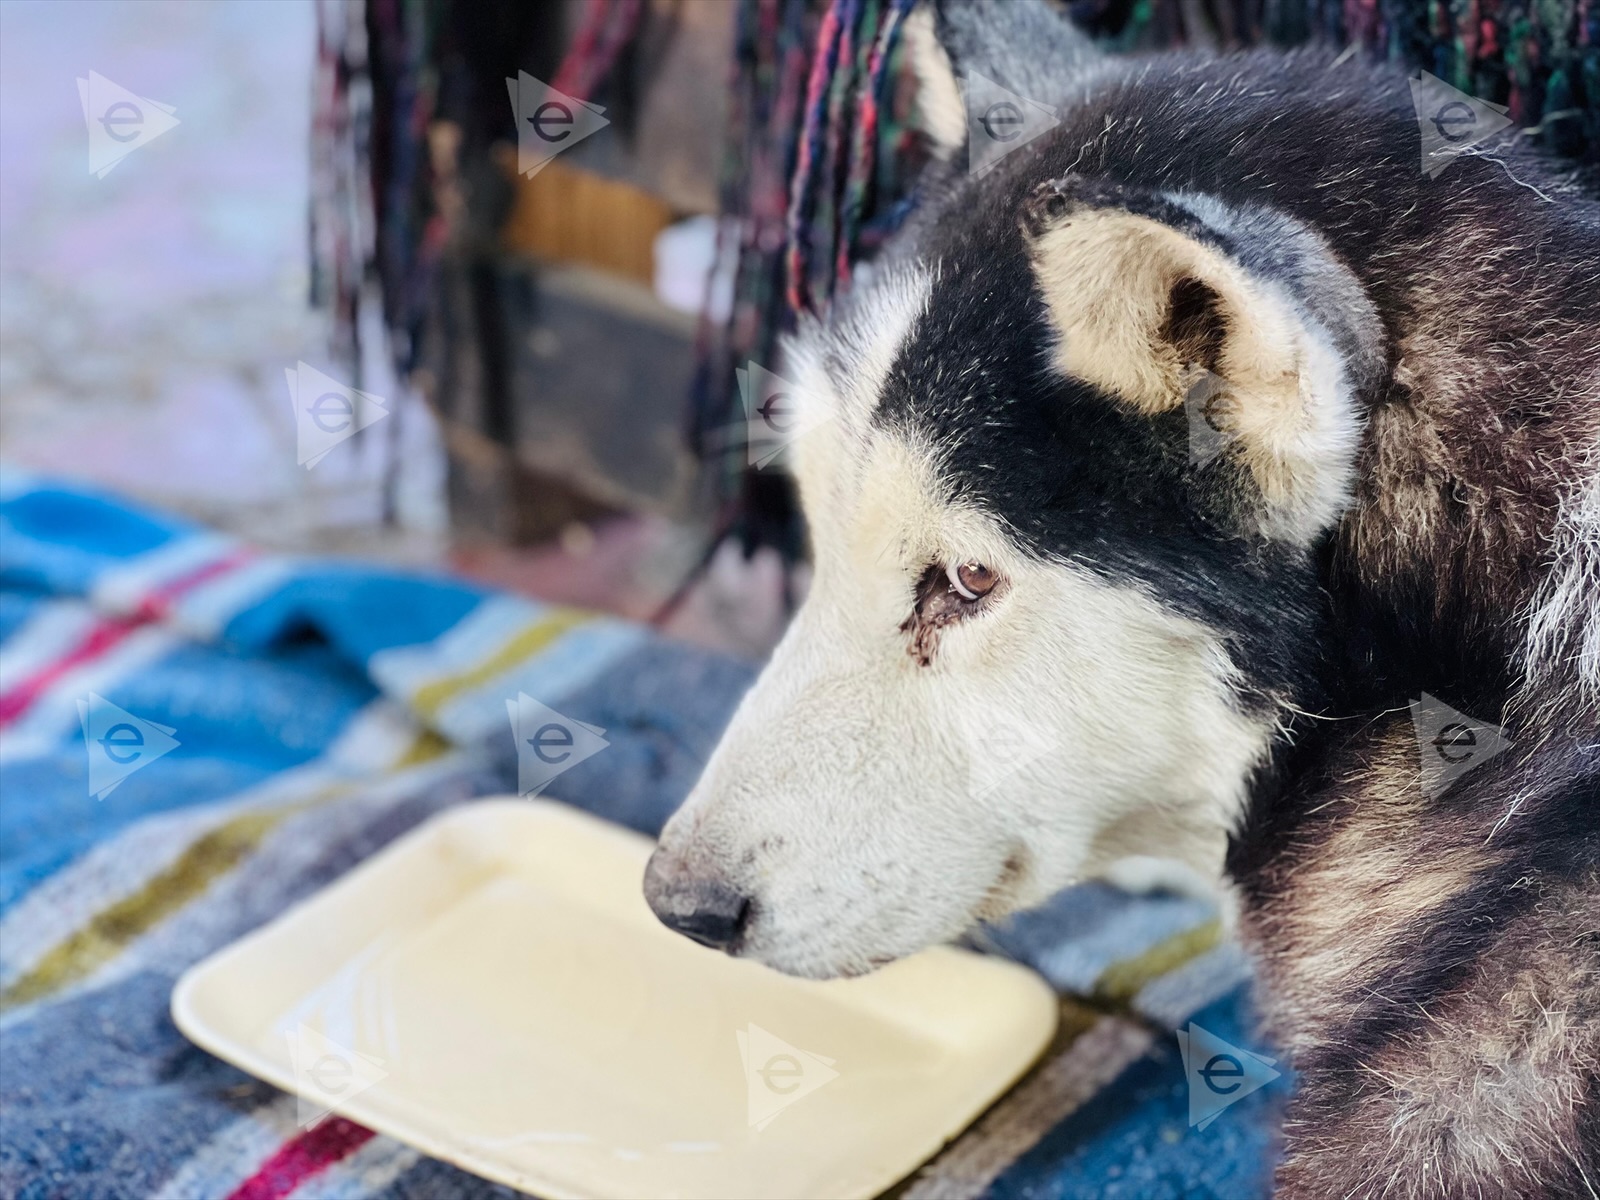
{"x": 1073, "y": 447}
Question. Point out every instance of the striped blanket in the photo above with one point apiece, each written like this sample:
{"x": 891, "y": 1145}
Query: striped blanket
{"x": 194, "y": 735}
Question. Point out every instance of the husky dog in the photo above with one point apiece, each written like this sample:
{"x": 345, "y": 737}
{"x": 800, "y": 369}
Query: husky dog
{"x": 1044, "y": 634}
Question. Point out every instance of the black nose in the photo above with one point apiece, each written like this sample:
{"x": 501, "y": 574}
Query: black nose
{"x": 708, "y": 911}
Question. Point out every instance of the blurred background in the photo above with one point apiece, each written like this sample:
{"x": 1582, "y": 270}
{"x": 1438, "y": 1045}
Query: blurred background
{"x": 533, "y": 338}
{"x": 557, "y": 350}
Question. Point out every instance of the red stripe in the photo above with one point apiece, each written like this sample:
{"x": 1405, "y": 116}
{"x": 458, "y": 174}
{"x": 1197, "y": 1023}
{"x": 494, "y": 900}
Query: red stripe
{"x": 158, "y": 604}
{"x": 100, "y": 639}
{"x": 113, "y": 630}
{"x": 299, "y": 1159}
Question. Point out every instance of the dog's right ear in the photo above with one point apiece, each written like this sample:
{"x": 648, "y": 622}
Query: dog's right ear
{"x": 1150, "y": 292}
{"x": 1029, "y": 47}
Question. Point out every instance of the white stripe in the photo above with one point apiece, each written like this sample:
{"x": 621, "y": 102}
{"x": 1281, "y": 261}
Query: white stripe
{"x": 375, "y": 739}
{"x": 365, "y": 1173}
{"x": 1129, "y": 931}
{"x": 234, "y": 1153}
{"x": 204, "y": 612}
{"x": 372, "y": 741}
{"x": 240, "y": 1148}
{"x": 54, "y": 715}
{"x": 572, "y": 660}
{"x": 43, "y": 638}
{"x": 1171, "y": 999}
{"x": 63, "y": 903}
{"x": 404, "y": 670}
{"x": 124, "y": 587}
{"x": 169, "y": 947}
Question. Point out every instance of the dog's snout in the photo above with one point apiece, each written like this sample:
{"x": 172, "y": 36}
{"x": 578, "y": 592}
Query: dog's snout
{"x": 707, "y": 910}
{"x": 713, "y": 914}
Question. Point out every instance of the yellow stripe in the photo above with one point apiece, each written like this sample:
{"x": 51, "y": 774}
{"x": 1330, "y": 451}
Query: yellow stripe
{"x": 111, "y": 929}
{"x": 428, "y": 745}
{"x": 205, "y": 860}
{"x": 430, "y": 698}
{"x": 1076, "y": 1019}
{"x": 1120, "y": 982}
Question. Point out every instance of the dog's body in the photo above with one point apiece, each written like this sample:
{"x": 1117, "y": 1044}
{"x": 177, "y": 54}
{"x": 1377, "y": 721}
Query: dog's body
{"x": 1210, "y": 659}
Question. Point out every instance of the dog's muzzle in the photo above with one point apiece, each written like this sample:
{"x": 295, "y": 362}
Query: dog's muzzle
{"x": 705, "y": 909}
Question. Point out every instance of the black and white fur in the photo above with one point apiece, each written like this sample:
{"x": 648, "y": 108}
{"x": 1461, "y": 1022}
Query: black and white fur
{"x": 1209, "y": 661}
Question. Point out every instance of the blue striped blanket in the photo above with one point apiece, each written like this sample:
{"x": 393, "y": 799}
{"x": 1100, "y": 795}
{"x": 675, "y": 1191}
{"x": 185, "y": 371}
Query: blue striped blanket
{"x": 194, "y": 735}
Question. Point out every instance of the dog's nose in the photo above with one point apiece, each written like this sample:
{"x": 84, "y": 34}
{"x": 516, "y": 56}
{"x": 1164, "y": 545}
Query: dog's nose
{"x": 706, "y": 910}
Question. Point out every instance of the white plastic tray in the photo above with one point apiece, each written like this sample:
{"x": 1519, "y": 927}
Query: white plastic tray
{"x": 493, "y": 990}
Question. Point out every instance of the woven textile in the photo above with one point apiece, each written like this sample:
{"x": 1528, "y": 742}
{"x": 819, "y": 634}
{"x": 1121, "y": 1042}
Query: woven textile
{"x": 322, "y": 709}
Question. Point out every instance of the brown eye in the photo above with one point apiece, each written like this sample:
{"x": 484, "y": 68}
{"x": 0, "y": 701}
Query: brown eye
{"x": 971, "y": 579}
{"x": 945, "y": 595}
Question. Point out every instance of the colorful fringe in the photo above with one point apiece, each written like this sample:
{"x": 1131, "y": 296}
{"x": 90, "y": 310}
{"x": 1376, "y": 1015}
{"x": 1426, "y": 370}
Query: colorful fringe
{"x": 814, "y": 98}
{"x": 819, "y": 156}
{"x": 375, "y": 215}
{"x": 1540, "y": 58}
{"x": 607, "y": 28}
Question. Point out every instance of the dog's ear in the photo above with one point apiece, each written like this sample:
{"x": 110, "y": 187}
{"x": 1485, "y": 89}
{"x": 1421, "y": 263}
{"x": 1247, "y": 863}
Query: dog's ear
{"x": 1165, "y": 300}
{"x": 1026, "y": 46}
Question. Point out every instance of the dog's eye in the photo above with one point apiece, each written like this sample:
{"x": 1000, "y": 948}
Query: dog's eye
{"x": 971, "y": 580}
{"x": 945, "y": 595}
